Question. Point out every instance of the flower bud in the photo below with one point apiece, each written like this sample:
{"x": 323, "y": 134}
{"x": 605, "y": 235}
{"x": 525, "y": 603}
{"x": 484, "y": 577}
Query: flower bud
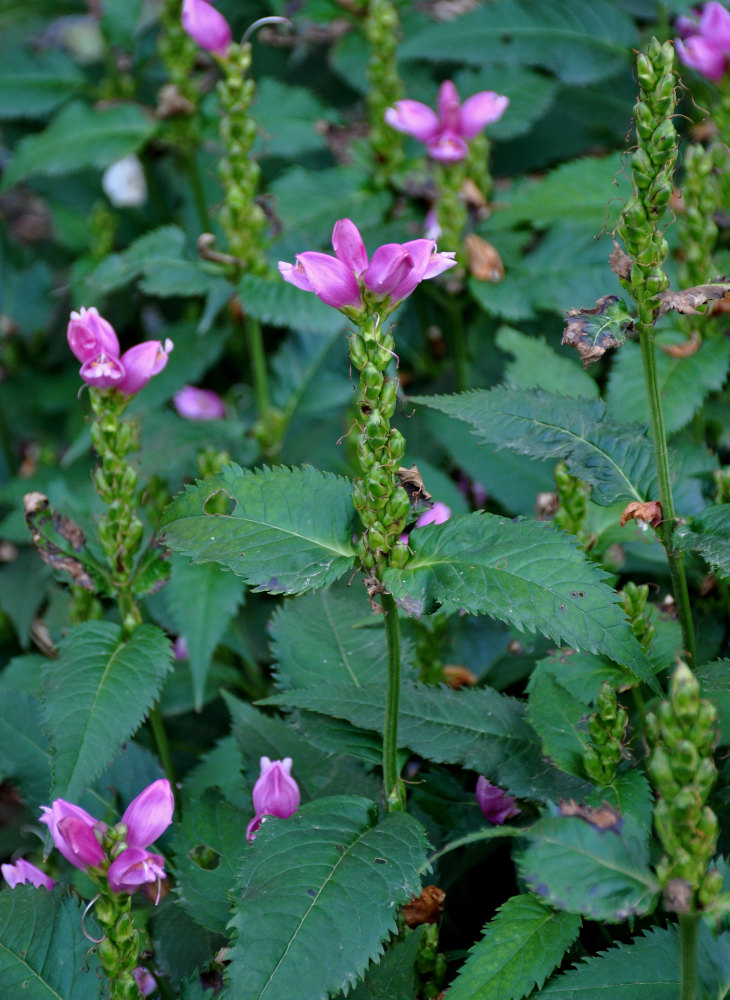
{"x": 90, "y": 335}
{"x": 141, "y": 362}
{"x": 496, "y": 805}
{"x": 206, "y": 26}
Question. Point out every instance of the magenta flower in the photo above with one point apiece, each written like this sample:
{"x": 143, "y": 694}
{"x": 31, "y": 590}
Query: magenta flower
{"x": 74, "y": 833}
{"x": 437, "y": 514}
{"x": 496, "y": 805}
{"x": 706, "y": 45}
{"x": 23, "y": 872}
{"x": 206, "y": 26}
{"x": 133, "y": 868}
{"x": 145, "y": 981}
{"x": 90, "y": 335}
{"x": 275, "y": 793}
{"x": 146, "y": 818}
{"x": 103, "y": 372}
{"x": 392, "y": 273}
{"x": 141, "y": 362}
{"x": 445, "y": 133}
{"x": 198, "y": 404}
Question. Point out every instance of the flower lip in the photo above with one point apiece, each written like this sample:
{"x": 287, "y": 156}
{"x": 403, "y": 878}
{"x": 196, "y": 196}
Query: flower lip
{"x": 149, "y": 814}
{"x": 133, "y": 868}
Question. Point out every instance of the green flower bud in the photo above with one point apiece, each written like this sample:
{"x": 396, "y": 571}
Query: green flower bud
{"x": 399, "y": 555}
{"x": 396, "y": 446}
{"x": 358, "y": 353}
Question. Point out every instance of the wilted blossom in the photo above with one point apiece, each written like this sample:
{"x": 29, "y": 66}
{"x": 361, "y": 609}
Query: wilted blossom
{"x": 392, "y": 273}
{"x": 445, "y": 133}
{"x": 22, "y": 872}
{"x": 124, "y": 182}
{"x": 206, "y": 26}
{"x": 77, "y": 835}
{"x": 275, "y": 793}
{"x": 706, "y": 45}
{"x": 95, "y": 343}
{"x": 496, "y": 805}
{"x": 198, "y": 404}
{"x": 437, "y": 514}
{"x": 145, "y": 981}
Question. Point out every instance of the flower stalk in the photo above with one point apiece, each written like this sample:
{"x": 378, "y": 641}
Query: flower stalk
{"x": 381, "y": 30}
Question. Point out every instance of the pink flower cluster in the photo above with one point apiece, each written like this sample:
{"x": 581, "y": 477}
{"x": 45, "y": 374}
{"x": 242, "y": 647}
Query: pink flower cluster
{"x": 705, "y": 41}
{"x": 445, "y": 133}
{"x": 206, "y": 26}
{"x": 78, "y": 836}
{"x": 391, "y": 274}
{"x": 275, "y": 793}
{"x": 94, "y": 342}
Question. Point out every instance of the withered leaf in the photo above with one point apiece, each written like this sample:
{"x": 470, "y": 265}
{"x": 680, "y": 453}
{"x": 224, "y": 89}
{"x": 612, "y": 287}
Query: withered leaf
{"x": 593, "y": 331}
{"x": 686, "y": 348}
{"x": 688, "y": 300}
{"x": 458, "y": 677}
{"x": 643, "y": 513}
{"x": 426, "y": 908}
{"x": 603, "y": 817}
{"x": 41, "y": 520}
{"x": 412, "y": 482}
{"x": 620, "y": 262}
{"x": 484, "y": 261}
{"x": 677, "y": 895}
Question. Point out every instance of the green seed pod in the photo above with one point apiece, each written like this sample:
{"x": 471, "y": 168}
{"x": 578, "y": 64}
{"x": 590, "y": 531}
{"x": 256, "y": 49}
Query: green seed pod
{"x": 389, "y": 398}
{"x": 371, "y": 382}
{"x": 396, "y": 446}
{"x": 399, "y": 555}
{"x": 358, "y": 353}
{"x": 377, "y": 537}
{"x": 645, "y": 72}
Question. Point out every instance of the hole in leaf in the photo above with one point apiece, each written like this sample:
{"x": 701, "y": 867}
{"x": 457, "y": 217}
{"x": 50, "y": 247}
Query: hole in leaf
{"x": 220, "y": 503}
{"x": 204, "y": 857}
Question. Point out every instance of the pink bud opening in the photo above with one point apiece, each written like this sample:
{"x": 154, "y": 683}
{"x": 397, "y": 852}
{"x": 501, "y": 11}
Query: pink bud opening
{"x": 149, "y": 814}
{"x": 90, "y": 335}
{"x": 206, "y": 26}
{"x": 141, "y": 362}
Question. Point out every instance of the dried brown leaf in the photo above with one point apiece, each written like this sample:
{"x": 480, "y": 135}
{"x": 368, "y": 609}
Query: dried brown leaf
{"x": 458, "y": 677}
{"x": 642, "y": 513}
{"x": 426, "y": 908}
{"x": 620, "y": 262}
{"x": 40, "y": 517}
{"x": 412, "y": 482}
{"x": 591, "y": 338}
{"x": 484, "y": 261}
{"x": 603, "y": 817}
{"x": 688, "y": 300}
{"x": 685, "y": 349}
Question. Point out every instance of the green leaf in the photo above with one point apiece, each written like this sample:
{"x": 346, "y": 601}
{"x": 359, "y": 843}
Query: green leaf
{"x": 530, "y": 95}
{"x": 617, "y": 460}
{"x": 631, "y": 795}
{"x": 273, "y": 301}
{"x": 520, "y": 948}
{"x": 317, "y": 896}
{"x": 645, "y": 969}
{"x": 581, "y": 674}
{"x": 578, "y": 40}
{"x": 577, "y": 867}
{"x": 201, "y": 600}
{"x": 708, "y": 535}
{"x": 288, "y": 117}
{"x": 555, "y": 715}
{"x": 44, "y": 954}
{"x": 478, "y": 728}
{"x": 684, "y": 383}
{"x": 208, "y": 843}
{"x": 80, "y": 137}
{"x": 24, "y": 753}
{"x": 526, "y": 573}
{"x": 181, "y": 945}
{"x": 31, "y": 86}
{"x": 537, "y": 365}
{"x": 96, "y": 694}
{"x": 393, "y": 975}
{"x": 714, "y": 679}
{"x": 289, "y": 530}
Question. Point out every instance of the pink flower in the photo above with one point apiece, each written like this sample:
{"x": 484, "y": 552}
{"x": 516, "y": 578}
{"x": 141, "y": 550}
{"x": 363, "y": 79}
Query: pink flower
{"x": 90, "y": 335}
{"x": 22, "y": 872}
{"x": 146, "y": 818}
{"x": 437, "y": 514}
{"x": 198, "y": 404}
{"x": 141, "y": 362}
{"x": 706, "y": 45}
{"x": 275, "y": 793}
{"x": 103, "y": 372}
{"x": 145, "y": 981}
{"x": 392, "y": 273}
{"x": 73, "y": 832}
{"x": 133, "y": 868}
{"x": 206, "y": 26}
{"x": 496, "y": 805}
{"x": 445, "y": 133}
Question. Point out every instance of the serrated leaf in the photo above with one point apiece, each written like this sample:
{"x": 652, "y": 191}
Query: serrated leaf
{"x": 536, "y": 365}
{"x": 520, "y": 947}
{"x": 44, "y": 954}
{"x": 273, "y": 301}
{"x": 714, "y": 680}
{"x": 526, "y": 573}
{"x": 208, "y": 844}
{"x": 95, "y": 696}
{"x": 577, "y": 867}
{"x": 290, "y": 530}
{"x": 617, "y": 460}
{"x": 645, "y": 969}
{"x": 181, "y": 945}
{"x": 393, "y": 975}
{"x": 287, "y": 117}
{"x": 555, "y": 714}
{"x": 579, "y": 40}
{"x": 630, "y": 794}
{"x": 582, "y": 674}
{"x": 708, "y": 536}
{"x": 530, "y": 95}
{"x": 33, "y": 86}
{"x": 24, "y": 753}
{"x": 80, "y": 137}
{"x": 317, "y": 896}
{"x": 684, "y": 383}
{"x": 480, "y": 729}
{"x": 201, "y": 600}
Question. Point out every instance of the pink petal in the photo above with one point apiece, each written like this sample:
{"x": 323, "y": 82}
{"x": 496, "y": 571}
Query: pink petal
{"x": 698, "y": 53}
{"x": 82, "y": 847}
{"x": 438, "y": 514}
{"x": 276, "y": 793}
{"x": 331, "y": 280}
{"x": 715, "y": 25}
{"x": 479, "y": 111}
{"x": 349, "y": 247}
{"x": 294, "y": 274}
{"x": 447, "y": 147}
{"x": 438, "y": 263}
{"x": 414, "y": 119}
{"x": 686, "y": 26}
{"x": 448, "y": 105}
{"x": 420, "y": 252}
{"x": 206, "y": 26}
{"x": 23, "y": 872}
{"x": 89, "y": 335}
{"x": 149, "y": 815}
{"x": 133, "y": 868}
{"x": 141, "y": 362}
{"x": 198, "y": 404}
{"x": 391, "y": 263}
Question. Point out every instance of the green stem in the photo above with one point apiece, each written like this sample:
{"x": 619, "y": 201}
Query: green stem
{"x": 163, "y": 749}
{"x": 661, "y": 452}
{"x": 196, "y": 181}
{"x": 688, "y": 927}
{"x": 257, "y": 359}
{"x": 394, "y": 796}
{"x": 461, "y": 363}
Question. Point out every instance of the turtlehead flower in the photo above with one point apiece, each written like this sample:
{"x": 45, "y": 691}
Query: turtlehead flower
{"x": 496, "y": 805}
{"x": 133, "y": 868}
{"x": 141, "y": 362}
{"x": 124, "y": 183}
{"x": 206, "y": 26}
{"x": 438, "y": 514}
{"x": 90, "y": 335}
{"x": 275, "y": 793}
{"x": 445, "y": 133}
{"x": 198, "y": 404}
{"x": 390, "y": 275}
{"x": 74, "y": 833}
{"x": 23, "y": 872}
{"x": 705, "y": 42}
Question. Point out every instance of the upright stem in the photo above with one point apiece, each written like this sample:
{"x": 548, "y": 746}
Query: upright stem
{"x": 688, "y": 927}
{"x": 394, "y": 797}
{"x": 163, "y": 748}
{"x": 257, "y": 358}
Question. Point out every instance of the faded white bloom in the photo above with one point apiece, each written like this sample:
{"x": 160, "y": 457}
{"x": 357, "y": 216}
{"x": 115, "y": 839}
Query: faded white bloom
{"x": 124, "y": 183}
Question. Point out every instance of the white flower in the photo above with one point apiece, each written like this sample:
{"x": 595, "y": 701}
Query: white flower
{"x": 124, "y": 183}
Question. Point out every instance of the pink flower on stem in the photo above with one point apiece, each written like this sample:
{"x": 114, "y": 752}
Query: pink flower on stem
{"x": 74, "y": 833}
{"x": 706, "y": 45}
{"x": 90, "y": 335}
{"x": 206, "y": 26}
{"x": 445, "y": 133}
{"x": 496, "y": 805}
{"x": 438, "y": 514}
{"x": 141, "y": 362}
{"x": 23, "y": 872}
{"x": 275, "y": 793}
{"x": 392, "y": 273}
{"x": 198, "y": 404}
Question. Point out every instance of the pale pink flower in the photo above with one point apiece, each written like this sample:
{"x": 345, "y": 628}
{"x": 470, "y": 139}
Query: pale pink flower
{"x": 23, "y": 872}
{"x": 206, "y": 26}
{"x": 198, "y": 404}
{"x": 275, "y": 793}
{"x": 706, "y": 44}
